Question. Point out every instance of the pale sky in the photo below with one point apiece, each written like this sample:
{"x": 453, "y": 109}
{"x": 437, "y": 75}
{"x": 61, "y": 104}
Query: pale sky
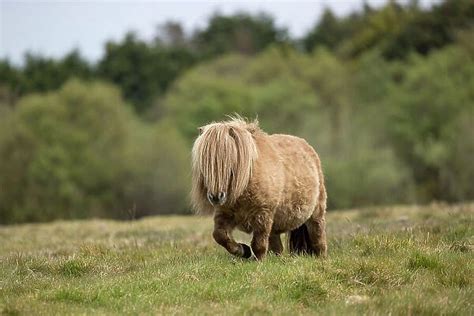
{"x": 53, "y": 28}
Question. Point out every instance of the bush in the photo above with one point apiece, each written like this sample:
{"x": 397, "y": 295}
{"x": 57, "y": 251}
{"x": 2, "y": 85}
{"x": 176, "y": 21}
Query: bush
{"x": 159, "y": 180}
{"x": 432, "y": 112}
{"x": 74, "y": 154}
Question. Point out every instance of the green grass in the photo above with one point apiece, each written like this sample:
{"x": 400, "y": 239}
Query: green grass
{"x": 392, "y": 260}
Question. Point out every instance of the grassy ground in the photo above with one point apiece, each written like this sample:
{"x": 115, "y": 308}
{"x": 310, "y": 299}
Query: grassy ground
{"x": 399, "y": 261}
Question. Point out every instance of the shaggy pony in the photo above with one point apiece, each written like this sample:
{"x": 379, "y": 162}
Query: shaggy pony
{"x": 261, "y": 184}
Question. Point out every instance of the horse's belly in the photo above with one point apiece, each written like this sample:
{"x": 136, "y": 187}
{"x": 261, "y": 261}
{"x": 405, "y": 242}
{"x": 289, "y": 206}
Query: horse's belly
{"x": 289, "y": 219}
{"x": 297, "y": 203}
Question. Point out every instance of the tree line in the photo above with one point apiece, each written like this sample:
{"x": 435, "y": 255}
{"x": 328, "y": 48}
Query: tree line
{"x": 384, "y": 94}
{"x": 145, "y": 70}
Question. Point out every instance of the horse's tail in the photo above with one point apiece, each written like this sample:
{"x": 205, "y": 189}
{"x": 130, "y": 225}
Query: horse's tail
{"x": 298, "y": 241}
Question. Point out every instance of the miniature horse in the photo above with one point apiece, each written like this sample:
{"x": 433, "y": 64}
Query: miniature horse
{"x": 261, "y": 184}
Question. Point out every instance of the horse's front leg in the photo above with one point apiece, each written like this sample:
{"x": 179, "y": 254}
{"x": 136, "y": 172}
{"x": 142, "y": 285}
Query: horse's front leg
{"x": 261, "y": 235}
{"x": 223, "y": 227}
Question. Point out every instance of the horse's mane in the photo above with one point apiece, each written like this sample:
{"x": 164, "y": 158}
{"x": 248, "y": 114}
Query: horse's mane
{"x": 222, "y": 160}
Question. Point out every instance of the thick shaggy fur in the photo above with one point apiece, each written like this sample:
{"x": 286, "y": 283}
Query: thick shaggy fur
{"x": 273, "y": 183}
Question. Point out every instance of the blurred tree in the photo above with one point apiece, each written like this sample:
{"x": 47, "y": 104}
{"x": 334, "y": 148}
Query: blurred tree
{"x": 431, "y": 110}
{"x": 395, "y": 29}
{"x": 10, "y": 81}
{"x": 76, "y": 153}
{"x": 206, "y": 93}
{"x": 73, "y": 65}
{"x": 378, "y": 29}
{"x": 172, "y": 34}
{"x": 332, "y": 91}
{"x": 279, "y": 90}
{"x": 61, "y": 154}
{"x": 158, "y": 161}
{"x": 328, "y": 32}
{"x": 384, "y": 95}
{"x": 431, "y": 29}
{"x": 41, "y": 74}
{"x": 242, "y": 33}
{"x": 143, "y": 71}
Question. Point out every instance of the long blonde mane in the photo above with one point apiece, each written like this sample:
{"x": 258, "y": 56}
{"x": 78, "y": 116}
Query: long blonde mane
{"x": 222, "y": 160}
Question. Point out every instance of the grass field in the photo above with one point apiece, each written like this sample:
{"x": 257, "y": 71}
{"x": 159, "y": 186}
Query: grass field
{"x": 392, "y": 260}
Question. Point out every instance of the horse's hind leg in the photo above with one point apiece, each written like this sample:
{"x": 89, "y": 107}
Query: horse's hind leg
{"x": 317, "y": 225}
{"x": 275, "y": 244}
{"x": 317, "y": 235}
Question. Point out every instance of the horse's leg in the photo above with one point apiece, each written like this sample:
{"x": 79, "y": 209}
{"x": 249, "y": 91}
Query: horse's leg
{"x": 223, "y": 227}
{"x": 317, "y": 225}
{"x": 261, "y": 234}
{"x": 317, "y": 235}
{"x": 275, "y": 244}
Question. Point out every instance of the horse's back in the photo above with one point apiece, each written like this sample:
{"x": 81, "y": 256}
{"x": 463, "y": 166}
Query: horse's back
{"x": 295, "y": 151}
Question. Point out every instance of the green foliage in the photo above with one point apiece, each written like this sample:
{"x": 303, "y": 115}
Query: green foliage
{"x": 330, "y": 31}
{"x": 241, "y": 33}
{"x": 41, "y": 74}
{"x": 433, "y": 120}
{"x": 143, "y": 71}
{"x": 60, "y": 153}
{"x": 206, "y": 93}
{"x": 428, "y": 30}
{"x": 396, "y": 30}
{"x": 159, "y": 182}
{"x": 68, "y": 154}
{"x": 384, "y": 95}
{"x": 10, "y": 79}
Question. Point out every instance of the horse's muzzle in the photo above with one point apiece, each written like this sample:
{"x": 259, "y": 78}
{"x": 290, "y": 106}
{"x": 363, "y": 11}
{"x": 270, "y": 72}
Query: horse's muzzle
{"x": 217, "y": 199}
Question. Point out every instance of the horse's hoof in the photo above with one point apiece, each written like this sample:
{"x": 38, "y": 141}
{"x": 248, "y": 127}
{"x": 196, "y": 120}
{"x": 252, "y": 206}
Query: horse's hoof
{"x": 247, "y": 251}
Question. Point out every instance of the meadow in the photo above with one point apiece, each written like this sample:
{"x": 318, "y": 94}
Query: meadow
{"x": 404, "y": 260}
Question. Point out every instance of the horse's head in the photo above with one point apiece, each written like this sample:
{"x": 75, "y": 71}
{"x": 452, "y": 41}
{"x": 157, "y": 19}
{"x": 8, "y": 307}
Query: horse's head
{"x": 223, "y": 156}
